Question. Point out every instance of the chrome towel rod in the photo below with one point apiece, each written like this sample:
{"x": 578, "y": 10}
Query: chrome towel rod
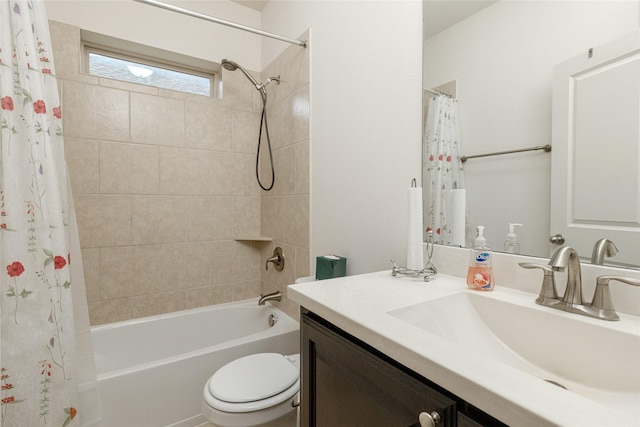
{"x": 188, "y": 12}
{"x": 546, "y": 148}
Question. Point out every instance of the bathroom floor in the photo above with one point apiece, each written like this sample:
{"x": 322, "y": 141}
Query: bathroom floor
{"x": 288, "y": 421}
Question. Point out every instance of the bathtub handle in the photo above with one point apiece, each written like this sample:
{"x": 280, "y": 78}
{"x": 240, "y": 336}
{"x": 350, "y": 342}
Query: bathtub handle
{"x": 277, "y": 259}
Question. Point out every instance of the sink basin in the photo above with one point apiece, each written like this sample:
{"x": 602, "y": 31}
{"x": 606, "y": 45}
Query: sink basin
{"x": 596, "y": 359}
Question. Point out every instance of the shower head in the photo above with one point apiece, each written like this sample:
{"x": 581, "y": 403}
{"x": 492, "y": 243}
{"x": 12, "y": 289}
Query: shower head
{"x": 232, "y": 66}
{"x": 229, "y": 65}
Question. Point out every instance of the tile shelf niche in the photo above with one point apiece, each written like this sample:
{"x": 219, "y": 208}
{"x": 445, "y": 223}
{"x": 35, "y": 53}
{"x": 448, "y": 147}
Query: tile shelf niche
{"x": 253, "y": 239}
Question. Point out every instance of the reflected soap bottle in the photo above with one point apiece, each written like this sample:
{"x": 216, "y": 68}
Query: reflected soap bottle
{"x": 480, "y": 273}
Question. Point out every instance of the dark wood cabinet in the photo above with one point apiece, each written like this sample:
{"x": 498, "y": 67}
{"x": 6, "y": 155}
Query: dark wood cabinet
{"x": 346, "y": 382}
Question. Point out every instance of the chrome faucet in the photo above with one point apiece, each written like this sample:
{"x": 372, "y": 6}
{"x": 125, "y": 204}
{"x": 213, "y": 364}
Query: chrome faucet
{"x": 275, "y": 296}
{"x": 602, "y": 248}
{"x": 601, "y": 306}
{"x": 567, "y": 257}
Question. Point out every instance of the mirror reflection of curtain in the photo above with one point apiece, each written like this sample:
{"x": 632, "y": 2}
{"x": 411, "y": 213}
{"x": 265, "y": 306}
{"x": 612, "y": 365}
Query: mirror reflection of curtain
{"x": 442, "y": 166}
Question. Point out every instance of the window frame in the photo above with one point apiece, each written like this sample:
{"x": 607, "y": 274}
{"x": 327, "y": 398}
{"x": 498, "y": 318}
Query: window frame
{"x": 99, "y": 44}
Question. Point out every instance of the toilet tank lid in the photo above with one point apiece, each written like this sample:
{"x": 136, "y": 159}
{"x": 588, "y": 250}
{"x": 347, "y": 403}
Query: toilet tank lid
{"x": 252, "y": 378}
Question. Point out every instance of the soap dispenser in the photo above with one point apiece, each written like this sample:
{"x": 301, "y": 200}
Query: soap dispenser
{"x": 511, "y": 244}
{"x": 480, "y": 273}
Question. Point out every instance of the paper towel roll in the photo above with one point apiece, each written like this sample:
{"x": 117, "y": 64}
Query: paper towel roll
{"x": 415, "y": 257}
{"x": 458, "y": 208}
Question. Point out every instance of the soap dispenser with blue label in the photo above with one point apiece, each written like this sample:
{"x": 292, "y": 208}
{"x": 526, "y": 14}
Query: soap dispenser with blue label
{"x": 480, "y": 273}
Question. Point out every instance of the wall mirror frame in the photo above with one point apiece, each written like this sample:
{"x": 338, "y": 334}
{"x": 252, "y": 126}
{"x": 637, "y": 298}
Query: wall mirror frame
{"x": 501, "y": 56}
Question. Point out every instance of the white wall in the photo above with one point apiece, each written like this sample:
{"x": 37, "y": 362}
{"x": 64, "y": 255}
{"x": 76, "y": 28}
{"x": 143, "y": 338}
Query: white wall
{"x": 168, "y": 30}
{"x": 365, "y": 122}
{"x": 503, "y": 59}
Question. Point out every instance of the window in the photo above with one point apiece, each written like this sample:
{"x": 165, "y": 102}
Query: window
{"x": 121, "y": 60}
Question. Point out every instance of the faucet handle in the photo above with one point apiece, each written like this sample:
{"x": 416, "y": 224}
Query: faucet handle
{"x": 602, "y": 297}
{"x": 277, "y": 259}
{"x": 548, "y": 290}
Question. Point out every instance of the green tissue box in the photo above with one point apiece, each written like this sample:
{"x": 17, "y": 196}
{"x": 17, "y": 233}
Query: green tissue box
{"x": 330, "y": 266}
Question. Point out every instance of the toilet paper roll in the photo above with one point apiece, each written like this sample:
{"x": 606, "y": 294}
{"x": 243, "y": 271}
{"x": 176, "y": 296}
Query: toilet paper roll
{"x": 415, "y": 256}
{"x": 458, "y": 208}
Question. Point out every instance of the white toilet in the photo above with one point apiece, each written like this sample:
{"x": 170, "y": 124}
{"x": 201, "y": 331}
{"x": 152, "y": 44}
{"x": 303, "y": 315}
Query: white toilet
{"x": 253, "y": 390}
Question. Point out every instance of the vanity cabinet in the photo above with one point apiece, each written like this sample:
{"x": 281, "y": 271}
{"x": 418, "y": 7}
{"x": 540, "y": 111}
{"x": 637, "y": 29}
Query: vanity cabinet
{"x": 347, "y": 383}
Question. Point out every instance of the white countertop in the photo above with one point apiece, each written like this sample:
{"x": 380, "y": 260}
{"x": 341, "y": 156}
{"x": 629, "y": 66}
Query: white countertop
{"x": 360, "y": 304}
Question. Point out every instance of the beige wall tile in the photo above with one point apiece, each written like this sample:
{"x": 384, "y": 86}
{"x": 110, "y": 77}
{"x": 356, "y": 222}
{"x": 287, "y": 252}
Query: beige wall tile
{"x": 222, "y": 214}
{"x": 157, "y": 120}
{"x": 209, "y": 218}
{"x": 91, "y": 267}
{"x": 233, "y": 174}
{"x": 296, "y": 226}
{"x": 280, "y": 122}
{"x": 95, "y": 112}
{"x": 289, "y": 125}
{"x": 245, "y": 132}
{"x": 233, "y": 261}
{"x": 65, "y": 40}
{"x": 129, "y": 169}
{"x": 184, "y": 171}
{"x": 272, "y": 217}
{"x": 129, "y": 270}
{"x": 285, "y": 164}
{"x": 103, "y": 220}
{"x": 300, "y": 115}
{"x": 208, "y": 126}
{"x": 302, "y": 170}
{"x": 108, "y": 311}
{"x": 147, "y": 252}
{"x": 185, "y": 265}
{"x": 246, "y": 216}
{"x": 222, "y": 261}
{"x": 302, "y": 262}
{"x": 246, "y": 290}
{"x": 238, "y": 90}
{"x": 209, "y": 295}
{"x": 157, "y": 219}
{"x": 247, "y": 261}
{"x": 164, "y": 302}
{"x": 83, "y": 160}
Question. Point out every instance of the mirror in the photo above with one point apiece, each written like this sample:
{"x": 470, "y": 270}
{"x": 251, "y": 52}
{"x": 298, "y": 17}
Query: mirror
{"x": 498, "y": 58}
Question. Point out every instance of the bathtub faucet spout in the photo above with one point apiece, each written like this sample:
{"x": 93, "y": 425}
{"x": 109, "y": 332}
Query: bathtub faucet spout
{"x": 277, "y": 296}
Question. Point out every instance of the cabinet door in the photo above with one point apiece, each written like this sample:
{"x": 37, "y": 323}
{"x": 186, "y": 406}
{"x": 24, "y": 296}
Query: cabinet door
{"x": 344, "y": 384}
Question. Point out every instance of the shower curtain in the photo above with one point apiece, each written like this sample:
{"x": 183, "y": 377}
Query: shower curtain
{"x": 37, "y": 339}
{"x": 442, "y": 166}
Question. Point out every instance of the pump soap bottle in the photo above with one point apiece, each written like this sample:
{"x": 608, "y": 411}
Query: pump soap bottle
{"x": 511, "y": 244}
{"x": 480, "y": 274}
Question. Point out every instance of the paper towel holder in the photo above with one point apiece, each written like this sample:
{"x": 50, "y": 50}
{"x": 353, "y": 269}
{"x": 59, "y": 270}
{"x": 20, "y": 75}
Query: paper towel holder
{"x": 429, "y": 272}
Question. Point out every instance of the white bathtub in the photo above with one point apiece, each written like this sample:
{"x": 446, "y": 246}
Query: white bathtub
{"x": 151, "y": 371}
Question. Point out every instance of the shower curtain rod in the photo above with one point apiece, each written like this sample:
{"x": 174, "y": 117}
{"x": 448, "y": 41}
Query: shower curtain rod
{"x": 437, "y": 92}
{"x": 188, "y": 12}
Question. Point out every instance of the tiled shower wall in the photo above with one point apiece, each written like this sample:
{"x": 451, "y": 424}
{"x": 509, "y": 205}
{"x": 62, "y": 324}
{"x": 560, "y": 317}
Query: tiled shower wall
{"x": 162, "y": 183}
{"x": 285, "y": 209}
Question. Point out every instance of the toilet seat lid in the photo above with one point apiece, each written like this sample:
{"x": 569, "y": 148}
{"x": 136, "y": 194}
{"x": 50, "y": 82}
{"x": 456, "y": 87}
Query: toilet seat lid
{"x": 252, "y": 378}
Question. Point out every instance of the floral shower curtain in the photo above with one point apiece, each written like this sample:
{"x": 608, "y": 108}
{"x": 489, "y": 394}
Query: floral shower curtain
{"x": 37, "y": 340}
{"x": 442, "y": 166}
